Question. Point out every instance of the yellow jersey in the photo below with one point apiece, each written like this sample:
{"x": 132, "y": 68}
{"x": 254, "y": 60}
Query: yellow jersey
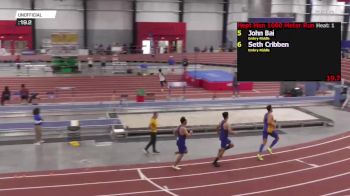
{"x": 153, "y": 125}
{"x": 271, "y": 124}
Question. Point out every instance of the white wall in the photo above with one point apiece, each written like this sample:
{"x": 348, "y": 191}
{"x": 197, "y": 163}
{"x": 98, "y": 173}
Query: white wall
{"x": 166, "y": 11}
{"x": 322, "y": 11}
{"x": 290, "y": 6}
{"x": 9, "y": 8}
{"x": 238, "y": 12}
{"x": 300, "y": 9}
{"x": 204, "y": 23}
{"x": 113, "y": 15}
{"x": 203, "y": 15}
{"x": 69, "y": 14}
{"x": 284, "y": 6}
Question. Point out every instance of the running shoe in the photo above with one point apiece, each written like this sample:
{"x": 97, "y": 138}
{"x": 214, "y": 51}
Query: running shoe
{"x": 145, "y": 151}
{"x": 216, "y": 164}
{"x": 260, "y": 158}
{"x": 269, "y": 150}
{"x": 176, "y": 167}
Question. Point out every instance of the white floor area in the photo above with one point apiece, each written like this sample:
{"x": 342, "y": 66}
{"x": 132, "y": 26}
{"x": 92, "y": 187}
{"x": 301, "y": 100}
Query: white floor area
{"x": 199, "y": 118}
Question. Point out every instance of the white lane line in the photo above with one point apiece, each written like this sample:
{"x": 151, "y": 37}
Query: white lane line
{"x": 309, "y": 164}
{"x": 60, "y": 174}
{"x": 247, "y": 157}
{"x": 142, "y": 176}
{"x": 160, "y": 188}
{"x": 245, "y": 168}
{"x": 108, "y": 171}
{"x": 337, "y": 192}
{"x": 68, "y": 185}
{"x": 295, "y": 185}
{"x": 262, "y": 177}
{"x": 245, "y": 180}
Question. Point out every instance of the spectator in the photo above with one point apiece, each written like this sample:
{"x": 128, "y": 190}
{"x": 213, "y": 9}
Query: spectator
{"x": 124, "y": 49}
{"x": 196, "y": 49}
{"x": 114, "y": 96}
{"x": 162, "y": 79}
{"x": 96, "y": 49}
{"x": 100, "y": 49}
{"x": 231, "y": 49}
{"x": 109, "y": 50}
{"x": 171, "y": 62}
{"x": 205, "y": 49}
{"x": 235, "y": 85}
{"x": 18, "y": 62}
{"x": 103, "y": 62}
{"x": 37, "y": 126}
{"x": 33, "y": 97}
{"x": 211, "y": 49}
{"x": 185, "y": 64}
{"x": 6, "y": 95}
{"x": 24, "y": 93}
{"x": 90, "y": 62}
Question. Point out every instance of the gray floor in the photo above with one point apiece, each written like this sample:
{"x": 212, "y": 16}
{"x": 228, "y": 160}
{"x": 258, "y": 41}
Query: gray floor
{"x": 52, "y": 156}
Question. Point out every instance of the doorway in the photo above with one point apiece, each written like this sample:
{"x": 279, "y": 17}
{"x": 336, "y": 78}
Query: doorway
{"x": 19, "y": 46}
{"x": 163, "y": 46}
{"x": 146, "y": 47}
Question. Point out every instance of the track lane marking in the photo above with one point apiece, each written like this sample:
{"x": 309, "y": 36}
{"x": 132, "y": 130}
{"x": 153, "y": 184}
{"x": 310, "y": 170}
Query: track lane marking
{"x": 247, "y": 157}
{"x": 251, "y": 179}
{"x": 334, "y": 193}
{"x": 144, "y": 177}
{"x": 154, "y": 167}
{"x": 309, "y": 164}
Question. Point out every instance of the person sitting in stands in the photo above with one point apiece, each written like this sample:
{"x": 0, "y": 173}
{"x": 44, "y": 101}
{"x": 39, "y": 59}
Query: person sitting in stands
{"x": 24, "y": 93}
{"x": 6, "y": 95}
{"x": 211, "y": 49}
{"x": 205, "y": 49}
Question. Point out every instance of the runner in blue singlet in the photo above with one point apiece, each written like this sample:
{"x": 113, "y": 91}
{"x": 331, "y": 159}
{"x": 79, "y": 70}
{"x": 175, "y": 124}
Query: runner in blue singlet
{"x": 181, "y": 134}
{"x": 224, "y": 129}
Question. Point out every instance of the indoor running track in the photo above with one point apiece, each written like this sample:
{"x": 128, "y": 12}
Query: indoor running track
{"x": 317, "y": 168}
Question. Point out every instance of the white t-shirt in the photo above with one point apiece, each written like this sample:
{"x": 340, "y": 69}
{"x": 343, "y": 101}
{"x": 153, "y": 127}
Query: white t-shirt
{"x": 90, "y": 61}
{"x": 161, "y": 77}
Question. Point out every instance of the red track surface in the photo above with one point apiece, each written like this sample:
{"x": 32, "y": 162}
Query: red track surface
{"x": 315, "y": 168}
{"x": 100, "y": 88}
{"x": 345, "y": 69}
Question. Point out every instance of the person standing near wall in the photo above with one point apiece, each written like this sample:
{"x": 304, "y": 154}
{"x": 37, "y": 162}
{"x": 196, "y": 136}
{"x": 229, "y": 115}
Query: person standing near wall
{"x": 171, "y": 63}
{"x": 235, "y": 85}
{"x": 185, "y": 66}
{"x": 37, "y": 126}
{"x": 162, "y": 79}
{"x": 153, "y": 126}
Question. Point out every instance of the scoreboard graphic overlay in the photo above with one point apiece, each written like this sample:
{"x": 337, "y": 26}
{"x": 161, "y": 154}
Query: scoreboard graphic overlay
{"x": 289, "y": 51}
